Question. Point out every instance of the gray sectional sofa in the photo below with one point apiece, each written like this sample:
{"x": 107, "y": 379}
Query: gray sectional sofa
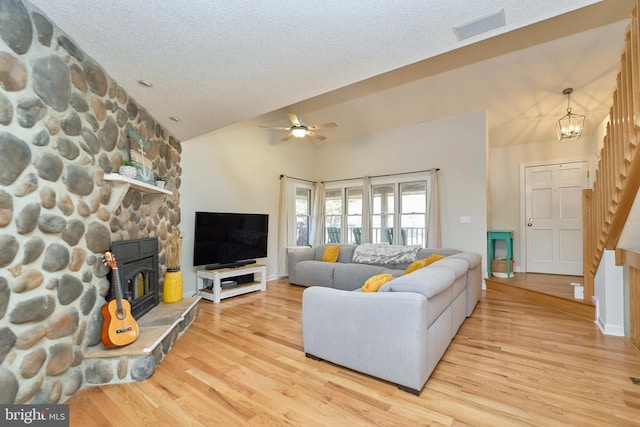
{"x": 307, "y": 269}
{"x": 397, "y": 334}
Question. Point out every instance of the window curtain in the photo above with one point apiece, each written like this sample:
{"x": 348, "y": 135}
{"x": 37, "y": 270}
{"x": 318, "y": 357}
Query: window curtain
{"x": 283, "y": 227}
{"x": 434, "y": 229}
{"x": 366, "y": 211}
{"x": 316, "y": 237}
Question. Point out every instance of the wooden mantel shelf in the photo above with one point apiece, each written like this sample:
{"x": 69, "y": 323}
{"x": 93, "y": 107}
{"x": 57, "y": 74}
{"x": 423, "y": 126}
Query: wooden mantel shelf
{"x": 122, "y": 184}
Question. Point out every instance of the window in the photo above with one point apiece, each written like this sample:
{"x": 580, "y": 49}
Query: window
{"x": 354, "y": 214}
{"x": 398, "y": 202}
{"x": 303, "y": 215}
{"x": 413, "y": 213}
{"x": 333, "y": 215}
{"x": 383, "y": 197}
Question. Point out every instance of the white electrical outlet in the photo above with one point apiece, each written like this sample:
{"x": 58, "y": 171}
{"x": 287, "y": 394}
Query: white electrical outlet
{"x": 465, "y": 220}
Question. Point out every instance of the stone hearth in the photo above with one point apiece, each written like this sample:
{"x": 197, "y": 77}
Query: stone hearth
{"x": 159, "y": 330}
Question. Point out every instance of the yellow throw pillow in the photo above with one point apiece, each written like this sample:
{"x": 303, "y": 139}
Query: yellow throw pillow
{"x": 423, "y": 263}
{"x": 374, "y": 283}
{"x": 331, "y": 253}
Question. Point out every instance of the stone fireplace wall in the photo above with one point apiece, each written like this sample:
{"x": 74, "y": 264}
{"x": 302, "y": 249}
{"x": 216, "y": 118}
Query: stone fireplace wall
{"x": 63, "y": 125}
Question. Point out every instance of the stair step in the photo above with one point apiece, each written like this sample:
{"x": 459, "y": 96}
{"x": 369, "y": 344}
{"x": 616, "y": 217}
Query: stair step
{"x": 568, "y": 305}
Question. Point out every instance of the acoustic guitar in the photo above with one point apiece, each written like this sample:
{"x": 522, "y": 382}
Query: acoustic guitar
{"x": 119, "y": 327}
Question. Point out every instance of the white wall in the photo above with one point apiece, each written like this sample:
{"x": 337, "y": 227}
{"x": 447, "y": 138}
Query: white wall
{"x": 609, "y": 296}
{"x": 237, "y": 170}
{"x": 455, "y": 145}
{"x": 504, "y": 207}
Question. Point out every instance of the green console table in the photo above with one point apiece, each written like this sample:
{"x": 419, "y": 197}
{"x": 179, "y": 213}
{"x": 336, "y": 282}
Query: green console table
{"x": 492, "y": 236}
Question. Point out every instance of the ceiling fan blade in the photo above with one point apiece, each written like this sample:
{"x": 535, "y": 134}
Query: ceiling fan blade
{"x": 316, "y": 136}
{"x": 323, "y": 126}
{"x": 294, "y": 119}
{"x": 287, "y": 137}
{"x": 273, "y": 127}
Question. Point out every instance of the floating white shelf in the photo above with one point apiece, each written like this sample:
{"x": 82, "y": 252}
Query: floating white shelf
{"x": 122, "y": 184}
{"x": 134, "y": 183}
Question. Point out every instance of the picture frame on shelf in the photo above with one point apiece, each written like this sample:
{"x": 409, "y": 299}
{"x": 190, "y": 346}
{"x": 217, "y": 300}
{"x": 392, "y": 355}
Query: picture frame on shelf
{"x": 137, "y": 147}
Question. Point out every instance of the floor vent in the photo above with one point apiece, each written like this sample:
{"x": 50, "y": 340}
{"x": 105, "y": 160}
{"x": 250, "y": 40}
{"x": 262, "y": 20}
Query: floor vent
{"x": 636, "y": 381}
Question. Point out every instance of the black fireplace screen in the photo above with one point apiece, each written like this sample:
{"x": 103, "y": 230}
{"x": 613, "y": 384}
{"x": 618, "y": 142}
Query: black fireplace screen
{"x": 138, "y": 272}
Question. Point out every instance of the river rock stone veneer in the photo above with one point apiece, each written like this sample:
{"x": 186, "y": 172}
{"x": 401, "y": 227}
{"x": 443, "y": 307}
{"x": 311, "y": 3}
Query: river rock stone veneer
{"x": 63, "y": 125}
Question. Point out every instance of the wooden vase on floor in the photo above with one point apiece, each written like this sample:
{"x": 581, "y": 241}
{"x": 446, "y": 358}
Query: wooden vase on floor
{"x": 172, "y": 289}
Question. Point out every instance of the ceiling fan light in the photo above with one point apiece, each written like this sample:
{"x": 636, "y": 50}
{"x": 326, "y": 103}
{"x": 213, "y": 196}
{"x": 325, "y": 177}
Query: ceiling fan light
{"x": 299, "y": 132}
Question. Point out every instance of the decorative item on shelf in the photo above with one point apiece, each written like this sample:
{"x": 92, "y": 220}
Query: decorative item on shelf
{"x": 128, "y": 169}
{"x": 159, "y": 180}
{"x": 137, "y": 146}
{"x": 172, "y": 289}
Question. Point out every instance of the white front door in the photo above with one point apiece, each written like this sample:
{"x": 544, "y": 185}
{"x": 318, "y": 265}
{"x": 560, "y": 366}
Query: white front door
{"x": 553, "y": 209}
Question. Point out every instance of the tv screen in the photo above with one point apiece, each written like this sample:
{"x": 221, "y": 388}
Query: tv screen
{"x": 222, "y": 238}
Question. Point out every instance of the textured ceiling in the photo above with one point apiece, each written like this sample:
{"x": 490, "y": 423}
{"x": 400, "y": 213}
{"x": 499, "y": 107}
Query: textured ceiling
{"x": 217, "y": 63}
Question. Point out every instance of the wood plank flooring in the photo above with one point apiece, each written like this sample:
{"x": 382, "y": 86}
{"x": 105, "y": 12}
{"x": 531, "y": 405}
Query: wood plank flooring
{"x": 511, "y": 364}
{"x": 550, "y": 290}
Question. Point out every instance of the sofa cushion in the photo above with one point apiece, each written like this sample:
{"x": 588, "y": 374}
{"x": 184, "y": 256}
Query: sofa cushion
{"x": 351, "y": 276}
{"x": 331, "y": 253}
{"x": 457, "y": 265}
{"x": 426, "y": 281}
{"x": 425, "y": 253}
{"x": 374, "y": 283}
{"x": 460, "y": 268}
{"x": 345, "y": 255}
{"x": 471, "y": 257}
{"x": 420, "y": 263}
{"x": 314, "y": 273}
{"x": 433, "y": 282}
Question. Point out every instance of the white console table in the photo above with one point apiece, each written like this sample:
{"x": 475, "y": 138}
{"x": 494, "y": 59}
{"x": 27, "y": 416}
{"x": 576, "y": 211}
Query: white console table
{"x": 216, "y": 293}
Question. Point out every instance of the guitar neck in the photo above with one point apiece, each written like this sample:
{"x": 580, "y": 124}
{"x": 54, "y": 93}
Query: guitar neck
{"x": 115, "y": 279}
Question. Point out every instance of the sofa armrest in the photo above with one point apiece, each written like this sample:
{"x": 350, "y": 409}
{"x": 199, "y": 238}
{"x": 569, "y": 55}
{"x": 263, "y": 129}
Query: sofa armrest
{"x": 379, "y": 334}
{"x": 294, "y": 257}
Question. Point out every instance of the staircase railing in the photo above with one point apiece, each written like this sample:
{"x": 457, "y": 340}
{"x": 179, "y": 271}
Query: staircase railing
{"x": 606, "y": 207}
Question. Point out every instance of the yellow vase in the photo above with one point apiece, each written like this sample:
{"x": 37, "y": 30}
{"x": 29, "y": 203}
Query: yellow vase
{"x": 172, "y": 290}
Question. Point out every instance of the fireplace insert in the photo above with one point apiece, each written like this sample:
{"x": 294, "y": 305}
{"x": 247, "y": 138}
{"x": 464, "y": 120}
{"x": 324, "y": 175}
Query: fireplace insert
{"x": 138, "y": 272}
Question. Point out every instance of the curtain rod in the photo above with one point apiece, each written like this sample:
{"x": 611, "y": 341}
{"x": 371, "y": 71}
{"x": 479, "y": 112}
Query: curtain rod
{"x": 381, "y": 176}
{"x": 297, "y": 179}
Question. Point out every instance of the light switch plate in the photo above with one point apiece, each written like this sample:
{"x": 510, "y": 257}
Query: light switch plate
{"x": 465, "y": 220}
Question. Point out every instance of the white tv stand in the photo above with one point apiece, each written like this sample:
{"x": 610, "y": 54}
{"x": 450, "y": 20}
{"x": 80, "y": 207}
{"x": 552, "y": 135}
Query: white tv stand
{"x": 217, "y": 293}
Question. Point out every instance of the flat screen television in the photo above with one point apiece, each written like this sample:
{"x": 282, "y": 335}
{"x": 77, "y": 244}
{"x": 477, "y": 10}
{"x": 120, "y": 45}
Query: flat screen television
{"x": 228, "y": 238}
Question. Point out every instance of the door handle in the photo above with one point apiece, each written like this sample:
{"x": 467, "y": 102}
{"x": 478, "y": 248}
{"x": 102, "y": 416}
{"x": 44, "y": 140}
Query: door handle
{"x": 529, "y": 222}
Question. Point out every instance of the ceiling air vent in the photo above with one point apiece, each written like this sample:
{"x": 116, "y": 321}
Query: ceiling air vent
{"x": 480, "y": 25}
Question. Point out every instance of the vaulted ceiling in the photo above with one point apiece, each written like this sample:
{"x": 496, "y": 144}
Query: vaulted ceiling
{"x": 367, "y": 65}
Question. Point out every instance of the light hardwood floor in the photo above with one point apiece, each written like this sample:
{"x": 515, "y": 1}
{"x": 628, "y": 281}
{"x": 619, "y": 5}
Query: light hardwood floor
{"x": 550, "y": 290}
{"x": 512, "y": 363}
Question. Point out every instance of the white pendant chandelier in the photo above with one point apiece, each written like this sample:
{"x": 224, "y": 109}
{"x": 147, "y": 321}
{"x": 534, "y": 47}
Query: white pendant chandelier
{"x": 569, "y": 126}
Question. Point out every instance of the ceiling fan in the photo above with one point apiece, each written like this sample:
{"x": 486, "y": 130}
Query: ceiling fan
{"x": 300, "y": 129}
